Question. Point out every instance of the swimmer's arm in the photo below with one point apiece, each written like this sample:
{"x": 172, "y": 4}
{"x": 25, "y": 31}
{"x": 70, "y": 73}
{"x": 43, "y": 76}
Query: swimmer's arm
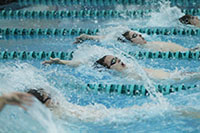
{"x": 62, "y": 62}
{"x": 92, "y": 37}
{"x": 188, "y": 111}
{"x": 198, "y": 25}
{"x": 160, "y": 42}
{"x": 191, "y": 114}
{"x": 70, "y": 63}
{"x": 157, "y": 73}
{"x": 2, "y": 102}
{"x": 163, "y": 75}
{"x": 83, "y": 113}
{"x": 190, "y": 75}
{"x": 168, "y": 46}
{"x": 152, "y": 73}
{"x": 84, "y": 37}
{"x": 16, "y": 98}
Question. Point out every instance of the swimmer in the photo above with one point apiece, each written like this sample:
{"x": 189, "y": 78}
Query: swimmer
{"x": 67, "y": 110}
{"x": 114, "y": 63}
{"x": 89, "y": 113}
{"x": 137, "y": 39}
{"x": 16, "y": 98}
{"x": 26, "y": 98}
{"x": 190, "y": 20}
{"x": 10, "y": 4}
{"x": 6, "y": 2}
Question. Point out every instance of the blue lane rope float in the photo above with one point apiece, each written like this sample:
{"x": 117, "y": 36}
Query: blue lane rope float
{"x": 68, "y": 56}
{"x": 70, "y": 32}
{"x": 19, "y": 14}
{"x": 191, "y": 11}
{"x": 135, "y": 90}
{"x": 46, "y": 32}
{"x": 103, "y": 2}
{"x": 166, "y": 55}
{"x": 23, "y": 55}
{"x": 168, "y": 31}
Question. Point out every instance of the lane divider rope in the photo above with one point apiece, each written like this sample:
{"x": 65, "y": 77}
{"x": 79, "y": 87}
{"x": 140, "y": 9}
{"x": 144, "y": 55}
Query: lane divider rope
{"x": 135, "y": 90}
{"x": 104, "y": 2}
{"x": 166, "y": 55}
{"x": 23, "y": 55}
{"x": 19, "y": 14}
{"x": 70, "y": 32}
{"x": 11, "y": 14}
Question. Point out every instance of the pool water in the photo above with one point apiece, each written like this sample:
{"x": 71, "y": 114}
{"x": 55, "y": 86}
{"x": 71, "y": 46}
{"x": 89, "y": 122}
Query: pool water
{"x": 177, "y": 112}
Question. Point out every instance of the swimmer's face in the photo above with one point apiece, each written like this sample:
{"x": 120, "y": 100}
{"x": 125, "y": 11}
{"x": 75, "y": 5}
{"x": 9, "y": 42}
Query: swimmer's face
{"x": 136, "y": 38}
{"x": 41, "y": 95}
{"x": 114, "y": 63}
{"x": 194, "y": 20}
{"x": 47, "y": 99}
{"x": 189, "y": 19}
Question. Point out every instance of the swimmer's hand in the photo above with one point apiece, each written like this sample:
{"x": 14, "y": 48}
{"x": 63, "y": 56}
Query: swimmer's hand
{"x": 81, "y": 38}
{"x": 18, "y": 98}
{"x": 51, "y": 61}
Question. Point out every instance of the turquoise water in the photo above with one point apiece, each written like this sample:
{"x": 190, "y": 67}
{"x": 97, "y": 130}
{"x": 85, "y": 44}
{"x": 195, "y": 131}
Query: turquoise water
{"x": 177, "y": 112}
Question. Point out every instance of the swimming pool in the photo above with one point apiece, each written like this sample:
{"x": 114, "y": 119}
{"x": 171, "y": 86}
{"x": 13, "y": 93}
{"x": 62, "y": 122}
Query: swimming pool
{"x": 155, "y": 113}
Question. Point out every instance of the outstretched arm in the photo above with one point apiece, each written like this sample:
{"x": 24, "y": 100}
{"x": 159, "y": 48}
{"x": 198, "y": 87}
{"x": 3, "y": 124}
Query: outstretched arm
{"x": 84, "y": 37}
{"x": 62, "y": 62}
{"x": 163, "y": 75}
{"x": 198, "y": 25}
{"x": 16, "y": 98}
{"x": 2, "y": 102}
{"x": 165, "y": 46}
{"x": 157, "y": 73}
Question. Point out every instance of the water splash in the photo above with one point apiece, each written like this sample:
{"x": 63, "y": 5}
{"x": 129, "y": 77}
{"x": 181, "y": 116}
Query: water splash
{"x": 20, "y": 75}
{"x": 44, "y": 117}
{"x": 158, "y": 18}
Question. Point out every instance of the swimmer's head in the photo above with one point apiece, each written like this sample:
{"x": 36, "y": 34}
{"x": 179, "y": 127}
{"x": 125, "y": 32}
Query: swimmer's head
{"x": 189, "y": 19}
{"x": 134, "y": 37}
{"x": 111, "y": 62}
{"x": 41, "y": 95}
